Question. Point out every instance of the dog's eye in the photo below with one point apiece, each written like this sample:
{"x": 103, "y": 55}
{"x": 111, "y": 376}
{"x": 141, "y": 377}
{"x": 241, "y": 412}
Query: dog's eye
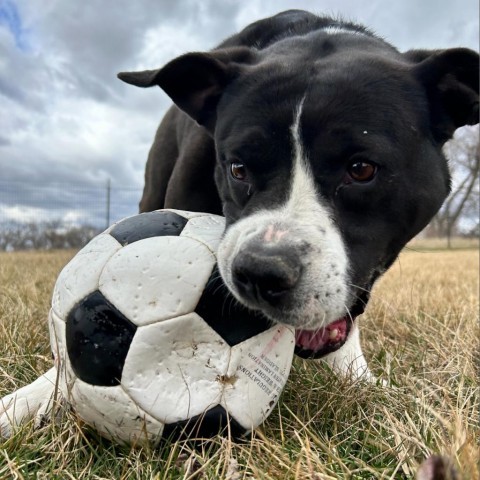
{"x": 361, "y": 171}
{"x": 238, "y": 171}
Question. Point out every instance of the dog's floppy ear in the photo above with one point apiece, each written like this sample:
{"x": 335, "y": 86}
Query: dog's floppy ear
{"x": 451, "y": 79}
{"x": 195, "y": 81}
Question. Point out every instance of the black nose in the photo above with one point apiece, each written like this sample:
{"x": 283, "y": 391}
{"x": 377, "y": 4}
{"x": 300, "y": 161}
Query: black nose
{"x": 265, "y": 274}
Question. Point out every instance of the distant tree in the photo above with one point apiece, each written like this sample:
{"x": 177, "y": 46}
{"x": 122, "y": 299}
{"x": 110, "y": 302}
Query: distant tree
{"x": 44, "y": 236}
{"x": 462, "y": 205}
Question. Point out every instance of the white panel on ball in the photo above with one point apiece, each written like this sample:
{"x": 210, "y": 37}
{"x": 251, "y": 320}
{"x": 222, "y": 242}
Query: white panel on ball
{"x": 157, "y": 278}
{"x": 80, "y": 276}
{"x": 183, "y": 213}
{"x": 113, "y": 414}
{"x": 173, "y": 369}
{"x": 59, "y": 349}
{"x": 257, "y": 374}
{"x": 207, "y": 229}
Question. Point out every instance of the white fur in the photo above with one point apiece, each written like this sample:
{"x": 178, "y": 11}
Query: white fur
{"x": 335, "y": 29}
{"x": 321, "y": 293}
{"x": 34, "y": 401}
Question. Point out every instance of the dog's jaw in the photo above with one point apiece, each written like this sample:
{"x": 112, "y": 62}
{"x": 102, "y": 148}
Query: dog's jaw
{"x": 302, "y": 225}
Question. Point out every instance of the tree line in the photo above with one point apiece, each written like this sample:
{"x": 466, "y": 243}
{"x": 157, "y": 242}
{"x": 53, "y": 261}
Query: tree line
{"x": 44, "y": 236}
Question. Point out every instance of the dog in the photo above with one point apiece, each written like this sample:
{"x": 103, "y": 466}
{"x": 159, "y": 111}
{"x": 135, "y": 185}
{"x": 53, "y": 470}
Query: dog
{"x": 321, "y": 144}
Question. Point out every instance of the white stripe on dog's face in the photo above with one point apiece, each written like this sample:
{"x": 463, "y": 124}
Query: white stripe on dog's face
{"x": 301, "y": 225}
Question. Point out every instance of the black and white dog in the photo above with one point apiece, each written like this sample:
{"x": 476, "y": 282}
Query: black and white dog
{"x": 322, "y": 146}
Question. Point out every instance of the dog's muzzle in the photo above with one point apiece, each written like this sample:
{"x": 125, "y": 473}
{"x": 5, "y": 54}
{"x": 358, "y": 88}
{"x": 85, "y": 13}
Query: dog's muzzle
{"x": 292, "y": 270}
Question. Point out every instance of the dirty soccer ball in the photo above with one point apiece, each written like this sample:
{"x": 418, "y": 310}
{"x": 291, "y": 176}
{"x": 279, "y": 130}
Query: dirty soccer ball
{"x": 148, "y": 341}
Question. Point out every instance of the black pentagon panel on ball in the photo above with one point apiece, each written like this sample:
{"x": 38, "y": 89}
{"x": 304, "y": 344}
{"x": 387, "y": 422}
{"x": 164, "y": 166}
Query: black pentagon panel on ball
{"x": 146, "y": 225}
{"x": 98, "y": 337}
{"x": 207, "y": 425}
{"x": 230, "y": 319}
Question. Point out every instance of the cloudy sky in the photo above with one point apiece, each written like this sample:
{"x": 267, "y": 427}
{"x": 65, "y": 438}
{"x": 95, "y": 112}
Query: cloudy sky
{"x": 65, "y": 120}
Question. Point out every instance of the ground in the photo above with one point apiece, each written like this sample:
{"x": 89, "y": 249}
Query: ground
{"x": 420, "y": 334}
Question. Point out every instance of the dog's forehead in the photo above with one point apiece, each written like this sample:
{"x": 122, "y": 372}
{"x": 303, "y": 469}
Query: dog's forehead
{"x": 335, "y": 116}
{"x": 353, "y": 91}
{"x": 344, "y": 70}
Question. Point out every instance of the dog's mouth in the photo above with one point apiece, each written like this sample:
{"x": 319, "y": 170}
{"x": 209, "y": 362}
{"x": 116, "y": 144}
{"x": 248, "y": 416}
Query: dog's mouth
{"x": 320, "y": 342}
{"x": 328, "y": 339}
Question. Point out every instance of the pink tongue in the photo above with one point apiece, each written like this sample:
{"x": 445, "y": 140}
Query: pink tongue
{"x": 317, "y": 339}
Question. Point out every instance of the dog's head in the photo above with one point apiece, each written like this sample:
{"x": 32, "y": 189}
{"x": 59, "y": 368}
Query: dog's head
{"x": 328, "y": 161}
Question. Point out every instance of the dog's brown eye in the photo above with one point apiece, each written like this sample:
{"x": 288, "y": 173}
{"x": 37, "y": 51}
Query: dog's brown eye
{"x": 362, "y": 171}
{"x": 238, "y": 171}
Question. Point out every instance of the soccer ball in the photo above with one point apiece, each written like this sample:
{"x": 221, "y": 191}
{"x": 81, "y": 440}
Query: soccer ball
{"x": 148, "y": 341}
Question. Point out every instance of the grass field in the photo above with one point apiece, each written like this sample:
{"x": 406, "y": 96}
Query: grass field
{"x": 420, "y": 333}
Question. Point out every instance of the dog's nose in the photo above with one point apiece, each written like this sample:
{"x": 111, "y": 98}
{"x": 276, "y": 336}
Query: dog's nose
{"x": 266, "y": 274}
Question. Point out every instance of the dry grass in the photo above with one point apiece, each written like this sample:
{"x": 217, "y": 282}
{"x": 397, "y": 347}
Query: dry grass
{"x": 420, "y": 333}
{"x": 456, "y": 243}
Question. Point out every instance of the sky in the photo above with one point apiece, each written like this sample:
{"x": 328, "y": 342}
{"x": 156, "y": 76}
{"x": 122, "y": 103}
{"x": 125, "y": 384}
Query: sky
{"x": 68, "y": 125}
